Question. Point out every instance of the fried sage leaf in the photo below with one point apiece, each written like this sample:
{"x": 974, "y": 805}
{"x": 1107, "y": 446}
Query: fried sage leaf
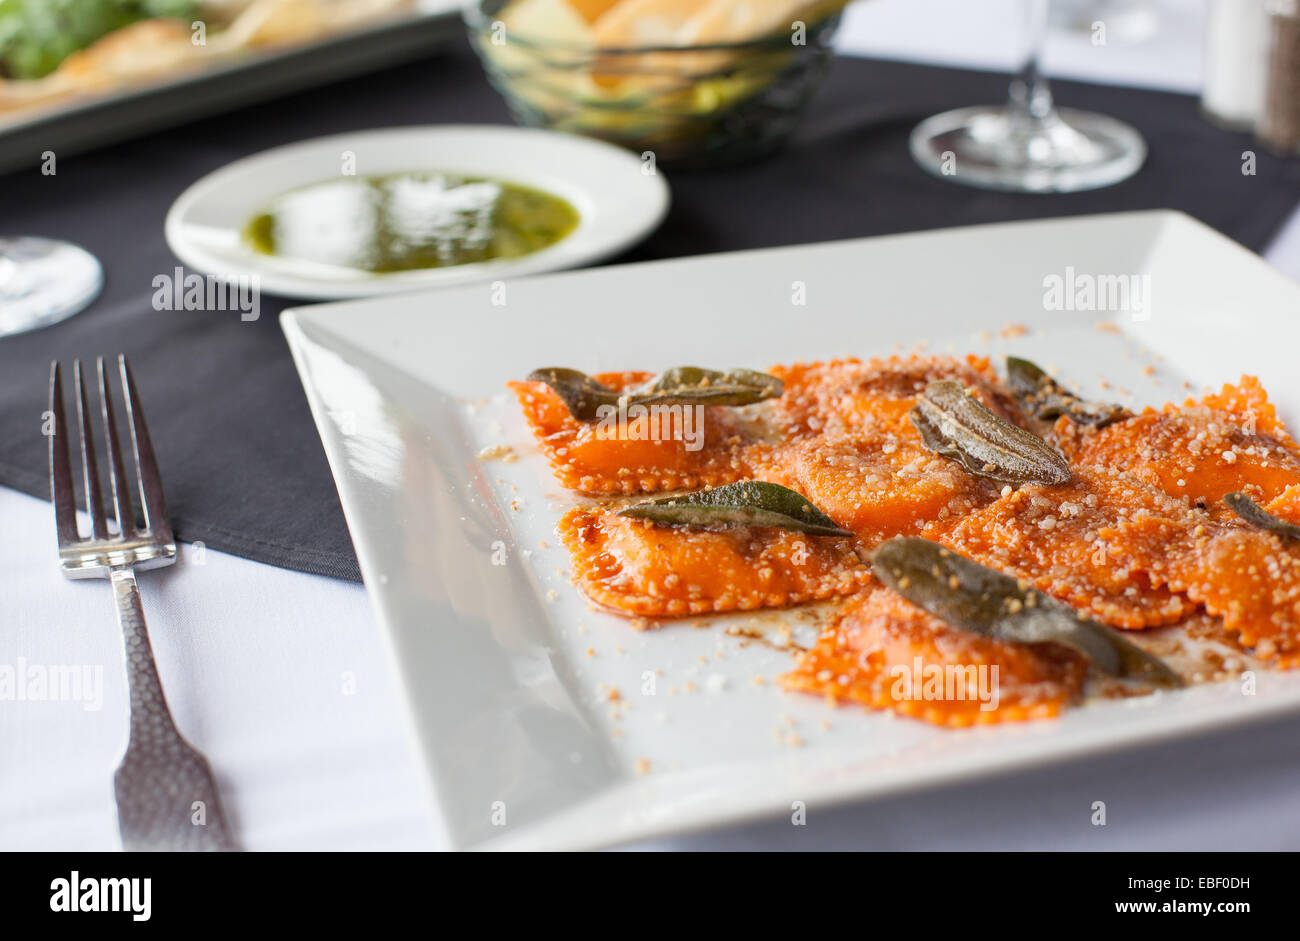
{"x": 681, "y": 385}
{"x": 957, "y": 425}
{"x": 691, "y": 385}
{"x": 748, "y": 503}
{"x": 582, "y": 395}
{"x": 972, "y": 597}
{"x": 1044, "y": 399}
{"x": 1256, "y": 515}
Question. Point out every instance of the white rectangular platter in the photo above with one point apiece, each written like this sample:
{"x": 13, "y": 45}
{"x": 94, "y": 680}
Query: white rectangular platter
{"x": 507, "y": 672}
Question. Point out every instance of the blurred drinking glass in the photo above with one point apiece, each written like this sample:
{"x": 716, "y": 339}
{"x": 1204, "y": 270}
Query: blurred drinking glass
{"x": 43, "y": 281}
{"x": 1028, "y": 145}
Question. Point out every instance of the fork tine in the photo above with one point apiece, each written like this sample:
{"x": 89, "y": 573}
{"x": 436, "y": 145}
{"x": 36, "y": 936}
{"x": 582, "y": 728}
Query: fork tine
{"x": 116, "y": 477}
{"x": 94, "y": 498}
{"x": 151, "y": 489}
{"x": 61, "y": 490}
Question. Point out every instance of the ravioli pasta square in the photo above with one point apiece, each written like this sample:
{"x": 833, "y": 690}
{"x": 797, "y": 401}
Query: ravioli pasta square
{"x": 1173, "y": 525}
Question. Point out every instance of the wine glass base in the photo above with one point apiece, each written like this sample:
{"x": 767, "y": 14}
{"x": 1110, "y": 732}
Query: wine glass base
{"x": 990, "y": 148}
{"x": 43, "y": 281}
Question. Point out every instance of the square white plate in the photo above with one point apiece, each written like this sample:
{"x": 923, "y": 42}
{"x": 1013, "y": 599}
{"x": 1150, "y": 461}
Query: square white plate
{"x": 506, "y": 670}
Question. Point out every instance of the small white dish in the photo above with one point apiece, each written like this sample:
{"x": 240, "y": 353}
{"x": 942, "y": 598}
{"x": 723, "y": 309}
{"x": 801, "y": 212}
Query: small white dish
{"x": 620, "y": 200}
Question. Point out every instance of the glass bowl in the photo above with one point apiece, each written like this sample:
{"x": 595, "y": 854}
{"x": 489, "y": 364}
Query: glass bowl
{"x": 691, "y": 106}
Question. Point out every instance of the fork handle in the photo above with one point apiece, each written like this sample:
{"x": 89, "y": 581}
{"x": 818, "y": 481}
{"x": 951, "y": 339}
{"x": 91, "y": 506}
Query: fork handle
{"x": 166, "y": 796}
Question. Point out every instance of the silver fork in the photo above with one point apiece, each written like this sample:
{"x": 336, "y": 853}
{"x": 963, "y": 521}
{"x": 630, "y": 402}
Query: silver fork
{"x": 166, "y": 796}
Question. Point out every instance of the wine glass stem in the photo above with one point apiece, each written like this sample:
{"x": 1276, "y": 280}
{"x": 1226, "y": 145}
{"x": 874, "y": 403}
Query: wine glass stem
{"x": 1031, "y": 96}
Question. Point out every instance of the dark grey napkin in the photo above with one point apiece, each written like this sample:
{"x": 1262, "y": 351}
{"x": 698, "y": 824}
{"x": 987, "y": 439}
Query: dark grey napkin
{"x": 243, "y": 466}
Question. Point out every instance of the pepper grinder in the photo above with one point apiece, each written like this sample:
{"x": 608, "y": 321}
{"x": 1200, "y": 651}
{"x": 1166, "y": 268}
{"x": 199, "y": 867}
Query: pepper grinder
{"x": 1279, "y": 121}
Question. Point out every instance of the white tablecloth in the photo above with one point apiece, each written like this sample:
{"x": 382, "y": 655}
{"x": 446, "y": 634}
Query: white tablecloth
{"x": 279, "y": 678}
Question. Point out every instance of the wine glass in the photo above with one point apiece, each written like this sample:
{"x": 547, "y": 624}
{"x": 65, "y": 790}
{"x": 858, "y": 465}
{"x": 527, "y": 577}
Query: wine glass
{"x": 1028, "y": 145}
{"x": 43, "y": 281}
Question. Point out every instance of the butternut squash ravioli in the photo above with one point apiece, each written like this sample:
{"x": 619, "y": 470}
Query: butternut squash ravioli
{"x": 1142, "y": 544}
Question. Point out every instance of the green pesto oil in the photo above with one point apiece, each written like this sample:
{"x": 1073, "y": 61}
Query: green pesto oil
{"x": 410, "y": 221}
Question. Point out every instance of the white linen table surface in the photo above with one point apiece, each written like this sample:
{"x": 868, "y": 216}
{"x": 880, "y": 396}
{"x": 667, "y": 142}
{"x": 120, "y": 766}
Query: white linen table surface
{"x": 280, "y": 679}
